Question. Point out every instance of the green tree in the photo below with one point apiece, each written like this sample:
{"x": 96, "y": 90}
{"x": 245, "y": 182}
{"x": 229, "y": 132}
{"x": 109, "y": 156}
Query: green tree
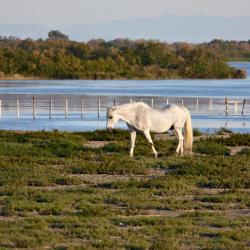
{"x": 56, "y": 34}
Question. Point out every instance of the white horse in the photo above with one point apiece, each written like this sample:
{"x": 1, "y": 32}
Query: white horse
{"x": 142, "y": 118}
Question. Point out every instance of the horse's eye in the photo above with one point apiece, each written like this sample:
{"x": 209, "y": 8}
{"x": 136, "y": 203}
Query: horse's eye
{"x": 111, "y": 117}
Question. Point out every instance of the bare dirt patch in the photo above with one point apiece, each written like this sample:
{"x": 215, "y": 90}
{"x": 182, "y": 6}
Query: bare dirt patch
{"x": 97, "y": 179}
{"x": 96, "y": 144}
{"x": 210, "y": 191}
{"x": 235, "y": 213}
{"x": 106, "y": 178}
{"x": 167, "y": 213}
{"x": 9, "y": 218}
{"x": 170, "y": 136}
{"x": 237, "y": 149}
{"x": 58, "y": 187}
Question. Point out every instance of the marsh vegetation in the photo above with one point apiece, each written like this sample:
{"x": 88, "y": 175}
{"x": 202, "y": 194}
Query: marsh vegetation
{"x": 81, "y": 191}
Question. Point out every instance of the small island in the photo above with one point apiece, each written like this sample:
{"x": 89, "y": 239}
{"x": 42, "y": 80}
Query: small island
{"x": 60, "y": 58}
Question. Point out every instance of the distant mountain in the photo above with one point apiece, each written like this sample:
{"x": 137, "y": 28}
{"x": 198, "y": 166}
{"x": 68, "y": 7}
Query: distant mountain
{"x": 24, "y": 30}
{"x": 168, "y": 28}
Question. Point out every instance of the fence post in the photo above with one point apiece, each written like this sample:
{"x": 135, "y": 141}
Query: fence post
{"x": 82, "y": 109}
{"x": 34, "y": 107}
{"x": 50, "y": 108}
{"x": 243, "y": 106}
{"x": 114, "y": 102}
{"x": 152, "y": 103}
{"x": 167, "y": 101}
{"x": 182, "y": 103}
{"x": 17, "y": 107}
{"x": 210, "y": 105}
{"x": 99, "y": 107}
{"x": 66, "y": 108}
{"x": 130, "y": 100}
{"x": 226, "y": 103}
{"x": 236, "y": 106}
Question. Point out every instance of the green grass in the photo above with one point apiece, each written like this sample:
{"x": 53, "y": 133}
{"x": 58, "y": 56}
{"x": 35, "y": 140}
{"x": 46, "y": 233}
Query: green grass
{"x": 58, "y": 193}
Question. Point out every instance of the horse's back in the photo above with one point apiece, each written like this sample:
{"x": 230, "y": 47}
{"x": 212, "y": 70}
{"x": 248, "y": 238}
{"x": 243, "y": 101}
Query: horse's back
{"x": 169, "y": 106}
{"x": 178, "y": 114}
{"x": 174, "y": 108}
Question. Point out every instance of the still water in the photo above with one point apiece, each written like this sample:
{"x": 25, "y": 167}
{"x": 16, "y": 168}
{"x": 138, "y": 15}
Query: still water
{"x": 122, "y": 91}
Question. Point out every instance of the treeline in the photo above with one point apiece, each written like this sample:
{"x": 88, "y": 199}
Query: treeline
{"x": 230, "y": 50}
{"x": 59, "y": 58}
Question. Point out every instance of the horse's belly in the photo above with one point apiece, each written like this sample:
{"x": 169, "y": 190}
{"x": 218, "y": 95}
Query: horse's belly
{"x": 161, "y": 127}
{"x": 159, "y": 130}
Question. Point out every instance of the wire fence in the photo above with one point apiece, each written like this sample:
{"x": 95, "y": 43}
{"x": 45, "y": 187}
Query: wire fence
{"x": 67, "y": 106}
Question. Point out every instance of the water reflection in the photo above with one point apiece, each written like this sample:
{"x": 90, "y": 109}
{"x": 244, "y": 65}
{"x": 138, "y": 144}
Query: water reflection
{"x": 205, "y": 123}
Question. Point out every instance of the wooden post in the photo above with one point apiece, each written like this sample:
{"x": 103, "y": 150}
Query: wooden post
{"x": 17, "y": 107}
{"x": 114, "y": 102}
{"x": 82, "y": 108}
{"x": 152, "y": 103}
{"x": 197, "y": 105}
{"x": 50, "y": 108}
{"x": 210, "y": 105}
{"x": 182, "y": 103}
{"x": 34, "y": 107}
{"x": 66, "y": 108}
{"x": 243, "y": 106}
{"x": 226, "y": 103}
{"x": 99, "y": 107}
{"x": 167, "y": 101}
{"x": 236, "y": 107}
{"x": 0, "y": 108}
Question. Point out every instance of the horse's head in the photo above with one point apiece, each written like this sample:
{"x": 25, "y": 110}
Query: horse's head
{"x": 112, "y": 118}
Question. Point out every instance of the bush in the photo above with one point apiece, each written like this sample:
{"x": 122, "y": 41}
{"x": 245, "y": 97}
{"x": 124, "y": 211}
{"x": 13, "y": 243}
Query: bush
{"x": 211, "y": 148}
{"x": 196, "y": 132}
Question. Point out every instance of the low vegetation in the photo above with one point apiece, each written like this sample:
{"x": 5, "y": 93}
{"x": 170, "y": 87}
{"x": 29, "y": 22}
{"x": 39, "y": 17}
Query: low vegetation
{"x": 59, "y": 192}
{"x": 59, "y": 58}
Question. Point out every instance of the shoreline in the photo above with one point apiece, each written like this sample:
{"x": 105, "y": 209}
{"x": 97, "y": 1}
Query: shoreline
{"x": 22, "y": 78}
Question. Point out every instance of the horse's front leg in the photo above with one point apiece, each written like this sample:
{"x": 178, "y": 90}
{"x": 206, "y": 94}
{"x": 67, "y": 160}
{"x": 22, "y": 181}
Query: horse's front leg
{"x": 132, "y": 146}
{"x": 148, "y": 136}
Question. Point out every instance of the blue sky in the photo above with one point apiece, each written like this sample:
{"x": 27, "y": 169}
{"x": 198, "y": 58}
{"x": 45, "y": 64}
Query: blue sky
{"x": 90, "y": 11}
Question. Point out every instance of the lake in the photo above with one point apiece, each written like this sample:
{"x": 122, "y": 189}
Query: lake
{"x": 206, "y": 118}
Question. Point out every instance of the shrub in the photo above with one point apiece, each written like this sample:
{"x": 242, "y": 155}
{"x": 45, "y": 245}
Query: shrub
{"x": 196, "y": 132}
{"x": 211, "y": 148}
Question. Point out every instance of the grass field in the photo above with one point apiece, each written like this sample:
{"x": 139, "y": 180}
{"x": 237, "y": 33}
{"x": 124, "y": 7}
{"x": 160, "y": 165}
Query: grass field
{"x": 82, "y": 191}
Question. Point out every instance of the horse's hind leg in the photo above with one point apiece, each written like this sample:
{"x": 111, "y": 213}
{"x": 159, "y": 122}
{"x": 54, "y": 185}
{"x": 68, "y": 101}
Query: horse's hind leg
{"x": 180, "y": 138}
{"x": 132, "y": 146}
{"x": 175, "y": 134}
{"x": 148, "y": 136}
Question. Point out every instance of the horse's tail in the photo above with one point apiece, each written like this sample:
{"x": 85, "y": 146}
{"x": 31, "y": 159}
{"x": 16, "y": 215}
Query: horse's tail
{"x": 188, "y": 134}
